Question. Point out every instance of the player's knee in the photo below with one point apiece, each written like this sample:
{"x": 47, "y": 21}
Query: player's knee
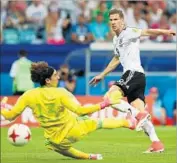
{"x": 114, "y": 95}
{"x": 139, "y": 104}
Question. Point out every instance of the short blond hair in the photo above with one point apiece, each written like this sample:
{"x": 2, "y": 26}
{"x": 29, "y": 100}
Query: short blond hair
{"x": 116, "y": 11}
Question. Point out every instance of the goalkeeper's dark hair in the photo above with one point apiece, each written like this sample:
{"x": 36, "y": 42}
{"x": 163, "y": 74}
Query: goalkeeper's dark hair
{"x": 40, "y": 71}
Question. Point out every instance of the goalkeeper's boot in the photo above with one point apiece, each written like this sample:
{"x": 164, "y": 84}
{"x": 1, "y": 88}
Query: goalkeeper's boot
{"x": 142, "y": 117}
{"x": 96, "y": 157}
{"x": 156, "y": 147}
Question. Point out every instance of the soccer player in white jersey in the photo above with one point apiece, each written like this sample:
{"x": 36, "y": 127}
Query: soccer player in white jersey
{"x": 132, "y": 83}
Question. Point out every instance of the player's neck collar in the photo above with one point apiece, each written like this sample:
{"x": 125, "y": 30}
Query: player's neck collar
{"x": 124, "y": 28}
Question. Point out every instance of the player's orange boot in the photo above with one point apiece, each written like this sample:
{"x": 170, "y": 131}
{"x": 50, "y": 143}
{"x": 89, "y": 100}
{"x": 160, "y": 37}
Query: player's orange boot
{"x": 156, "y": 147}
{"x": 142, "y": 117}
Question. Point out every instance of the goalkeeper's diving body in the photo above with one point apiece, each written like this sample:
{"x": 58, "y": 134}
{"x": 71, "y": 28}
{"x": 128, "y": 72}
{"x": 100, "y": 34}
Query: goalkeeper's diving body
{"x": 54, "y": 109}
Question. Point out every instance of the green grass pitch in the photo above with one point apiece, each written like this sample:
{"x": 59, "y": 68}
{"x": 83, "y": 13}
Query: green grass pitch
{"x": 116, "y": 146}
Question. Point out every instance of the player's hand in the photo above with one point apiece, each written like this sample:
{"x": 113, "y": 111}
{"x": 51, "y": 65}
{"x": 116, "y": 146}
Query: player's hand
{"x": 94, "y": 81}
{"x": 4, "y": 102}
{"x": 171, "y": 33}
{"x": 111, "y": 97}
{"x": 5, "y": 106}
{"x": 2, "y": 118}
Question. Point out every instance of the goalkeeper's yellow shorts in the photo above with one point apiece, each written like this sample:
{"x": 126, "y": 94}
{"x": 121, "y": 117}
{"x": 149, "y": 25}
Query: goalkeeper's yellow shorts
{"x": 82, "y": 128}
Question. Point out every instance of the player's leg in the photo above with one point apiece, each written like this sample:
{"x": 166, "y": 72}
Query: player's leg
{"x": 143, "y": 115}
{"x": 138, "y": 112}
{"x": 149, "y": 129}
{"x": 130, "y": 84}
{"x": 111, "y": 123}
{"x": 82, "y": 128}
{"x": 133, "y": 85}
{"x": 146, "y": 124}
{"x": 67, "y": 150}
{"x": 125, "y": 107}
{"x": 91, "y": 125}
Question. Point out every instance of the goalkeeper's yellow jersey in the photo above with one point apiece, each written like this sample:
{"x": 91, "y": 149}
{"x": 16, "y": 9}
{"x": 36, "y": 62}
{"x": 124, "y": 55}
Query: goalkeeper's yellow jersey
{"x": 53, "y": 109}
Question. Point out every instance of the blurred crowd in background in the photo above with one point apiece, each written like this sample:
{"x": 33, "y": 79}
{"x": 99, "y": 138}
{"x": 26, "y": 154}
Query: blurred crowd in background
{"x": 80, "y": 21}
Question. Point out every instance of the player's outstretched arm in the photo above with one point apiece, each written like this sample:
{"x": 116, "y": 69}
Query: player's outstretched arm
{"x": 68, "y": 101}
{"x": 16, "y": 110}
{"x": 156, "y": 32}
{"x": 111, "y": 66}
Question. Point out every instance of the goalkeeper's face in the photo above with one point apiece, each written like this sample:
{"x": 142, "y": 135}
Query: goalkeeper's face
{"x": 53, "y": 81}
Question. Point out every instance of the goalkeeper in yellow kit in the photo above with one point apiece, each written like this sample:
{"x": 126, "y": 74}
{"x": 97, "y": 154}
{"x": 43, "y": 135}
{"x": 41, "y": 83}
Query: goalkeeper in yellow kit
{"x": 54, "y": 107}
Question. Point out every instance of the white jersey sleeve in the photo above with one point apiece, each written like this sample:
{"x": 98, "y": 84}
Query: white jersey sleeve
{"x": 134, "y": 32}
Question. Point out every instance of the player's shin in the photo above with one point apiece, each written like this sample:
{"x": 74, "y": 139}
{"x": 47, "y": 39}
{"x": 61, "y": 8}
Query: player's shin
{"x": 157, "y": 145}
{"x": 124, "y": 106}
{"x": 149, "y": 129}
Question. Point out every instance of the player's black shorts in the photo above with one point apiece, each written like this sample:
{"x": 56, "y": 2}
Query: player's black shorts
{"x": 133, "y": 85}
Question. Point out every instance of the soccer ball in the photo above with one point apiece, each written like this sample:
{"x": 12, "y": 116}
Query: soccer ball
{"x": 19, "y": 134}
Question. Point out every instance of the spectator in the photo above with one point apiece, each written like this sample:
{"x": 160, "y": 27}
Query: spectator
{"x": 147, "y": 17}
{"x": 163, "y": 24}
{"x": 68, "y": 7}
{"x": 156, "y": 12}
{"x": 171, "y": 7}
{"x": 136, "y": 20}
{"x": 54, "y": 26}
{"x": 20, "y": 72}
{"x": 67, "y": 79}
{"x": 82, "y": 8}
{"x": 36, "y": 14}
{"x": 66, "y": 28}
{"x": 125, "y": 6}
{"x": 14, "y": 18}
{"x": 3, "y": 13}
{"x": 158, "y": 112}
{"x": 81, "y": 32}
{"x": 16, "y": 14}
{"x": 175, "y": 112}
{"x": 21, "y": 5}
{"x": 102, "y": 7}
{"x": 92, "y": 4}
{"x": 99, "y": 28}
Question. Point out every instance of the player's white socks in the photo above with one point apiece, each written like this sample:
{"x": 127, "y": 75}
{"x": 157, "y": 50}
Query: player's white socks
{"x": 149, "y": 129}
{"x": 124, "y": 106}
